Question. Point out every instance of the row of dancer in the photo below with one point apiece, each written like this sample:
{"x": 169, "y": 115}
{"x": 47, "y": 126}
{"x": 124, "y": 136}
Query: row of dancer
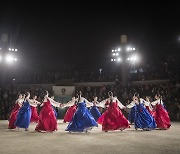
{"x": 82, "y": 120}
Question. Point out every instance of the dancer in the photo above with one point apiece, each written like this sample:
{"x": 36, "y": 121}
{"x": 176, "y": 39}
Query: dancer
{"x": 148, "y": 106}
{"x": 34, "y": 113}
{"x": 131, "y": 115}
{"x": 47, "y": 120}
{"x": 13, "y": 115}
{"x": 82, "y": 120}
{"x": 143, "y": 119}
{"x": 94, "y": 109}
{"x": 71, "y": 110}
{"x": 161, "y": 114}
{"x": 113, "y": 119}
{"x": 24, "y": 114}
{"x": 54, "y": 108}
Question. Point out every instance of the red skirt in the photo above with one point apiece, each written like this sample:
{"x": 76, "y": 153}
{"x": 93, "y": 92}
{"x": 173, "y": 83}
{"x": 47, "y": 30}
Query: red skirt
{"x": 150, "y": 111}
{"x": 161, "y": 117}
{"x": 34, "y": 115}
{"x": 13, "y": 116}
{"x": 114, "y": 119}
{"x": 47, "y": 120}
{"x": 69, "y": 113}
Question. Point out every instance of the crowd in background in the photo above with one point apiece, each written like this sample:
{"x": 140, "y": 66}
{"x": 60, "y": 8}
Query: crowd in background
{"x": 169, "y": 91}
{"x": 155, "y": 71}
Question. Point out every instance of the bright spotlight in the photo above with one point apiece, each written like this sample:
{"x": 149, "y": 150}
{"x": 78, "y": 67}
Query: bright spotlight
{"x": 113, "y": 54}
{"x": 9, "y": 59}
{"x": 119, "y": 49}
{"x": 119, "y": 59}
{"x": 112, "y": 50}
{"x": 134, "y": 49}
{"x": 12, "y": 49}
{"x": 9, "y": 49}
{"x": 128, "y": 48}
{"x": 112, "y": 59}
{"x": 117, "y": 54}
{"x": 15, "y": 49}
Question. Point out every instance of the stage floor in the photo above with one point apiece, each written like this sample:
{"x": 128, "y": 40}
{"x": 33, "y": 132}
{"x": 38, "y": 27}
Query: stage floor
{"x": 95, "y": 142}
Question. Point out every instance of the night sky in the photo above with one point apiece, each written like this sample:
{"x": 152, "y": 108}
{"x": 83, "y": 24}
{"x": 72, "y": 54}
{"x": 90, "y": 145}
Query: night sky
{"x": 83, "y": 34}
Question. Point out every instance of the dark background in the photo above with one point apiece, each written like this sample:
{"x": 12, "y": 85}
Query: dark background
{"x": 82, "y": 34}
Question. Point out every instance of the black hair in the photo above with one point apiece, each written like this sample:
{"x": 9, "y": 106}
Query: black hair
{"x": 27, "y": 93}
{"x": 110, "y": 93}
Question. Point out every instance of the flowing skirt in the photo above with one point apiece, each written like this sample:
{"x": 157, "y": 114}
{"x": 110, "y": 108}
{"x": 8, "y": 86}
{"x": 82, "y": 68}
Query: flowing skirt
{"x": 95, "y": 112}
{"x": 13, "y": 117}
{"x": 55, "y": 112}
{"x": 162, "y": 117}
{"x": 24, "y": 116}
{"x": 34, "y": 115}
{"x": 114, "y": 119}
{"x": 47, "y": 120}
{"x": 143, "y": 119}
{"x": 131, "y": 115}
{"x": 82, "y": 120}
{"x": 70, "y": 113}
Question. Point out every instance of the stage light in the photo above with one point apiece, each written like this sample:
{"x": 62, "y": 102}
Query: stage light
{"x": 119, "y": 59}
{"x": 12, "y": 49}
{"x": 113, "y": 54}
{"x": 134, "y": 49}
{"x": 112, "y": 59}
{"x": 119, "y": 49}
{"x": 117, "y": 54}
{"x": 112, "y": 50}
{"x": 16, "y": 50}
{"x": 9, "y": 58}
{"x": 9, "y": 49}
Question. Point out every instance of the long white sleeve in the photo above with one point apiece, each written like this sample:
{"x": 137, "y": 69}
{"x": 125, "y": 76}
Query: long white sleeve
{"x": 70, "y": 103}
{"x": 131, "y": 105}
{"x": 54, "y": 103}
{"x": 120, "y": 104}
{"x": 88, "y": 104}
{"x": 31, "y": 102}
{"x": 19, "y": 101}
{"x": 102, "y": 103}
{"x": 158, "y": 101}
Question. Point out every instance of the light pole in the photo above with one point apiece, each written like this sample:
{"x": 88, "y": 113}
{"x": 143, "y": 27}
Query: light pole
{"x": 125, "y": 55}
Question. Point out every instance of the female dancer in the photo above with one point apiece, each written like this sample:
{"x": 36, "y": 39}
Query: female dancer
{"x": 113, "y": 119}
{"x": 34, "y": 113}
{"x": 24, "y": 114}
{"x": 143, "y": 119}
{"x": 148, "y": 106}
{"x": 82, "y": 120}
{"x": 94, "y": 109}
{"x": 161, "y": 115}
{"x": 71, "y": 110}
{"x": 14, "y": 112}
{"x": 47, "y": 120}
{"x": 54, "y": 108}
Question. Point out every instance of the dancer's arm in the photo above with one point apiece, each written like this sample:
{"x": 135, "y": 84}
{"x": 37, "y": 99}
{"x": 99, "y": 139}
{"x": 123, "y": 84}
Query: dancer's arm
{"x": 31, "y": 102}
{"x": 102, "y": 103}
{"x": 54, "y": 103}
{"x": 68, "y": 104}
{"x": 131, "y": 105}
{"x": 120, "y": 104}
{"x": 88, "y": 104}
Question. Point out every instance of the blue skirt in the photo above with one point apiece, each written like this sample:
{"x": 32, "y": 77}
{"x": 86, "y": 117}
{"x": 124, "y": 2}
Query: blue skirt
{"x": 55, "y": 112}
{"x": 143, "y": 119}
{"x": 24, "y": 116}
{"x": 82, "y": 120}
{"x": 95, "y": 112}
{"x": 131, "y": 115}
